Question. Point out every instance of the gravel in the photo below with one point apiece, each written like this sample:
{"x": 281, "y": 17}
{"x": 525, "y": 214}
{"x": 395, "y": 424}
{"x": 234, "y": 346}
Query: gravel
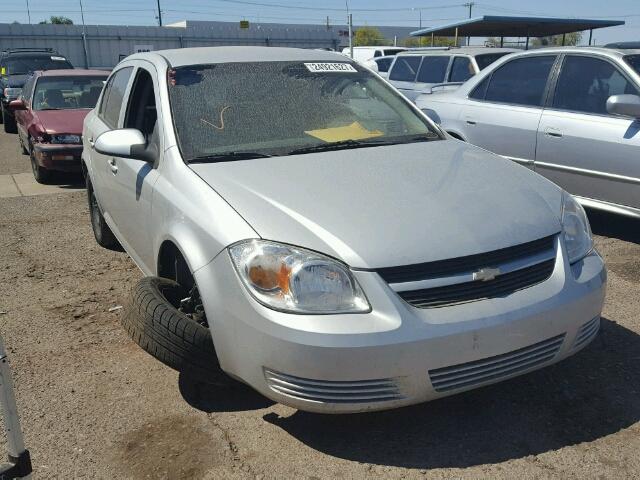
{"x": 94, "y": 405}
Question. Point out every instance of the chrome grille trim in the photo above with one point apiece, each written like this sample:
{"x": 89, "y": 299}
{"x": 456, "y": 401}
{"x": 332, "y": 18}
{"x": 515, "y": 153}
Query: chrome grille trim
{"x": 469, "y": 263}
{"x": 493, "y": 368}
{"x": 322, "y": 391}
{"x": 502, "y": 285}
{"x": 587, "y": 332}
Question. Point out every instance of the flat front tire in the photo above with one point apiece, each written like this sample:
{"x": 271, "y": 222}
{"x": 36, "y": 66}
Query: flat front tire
{"x": 153, "y": 321}
{"x": 101, "y": 231}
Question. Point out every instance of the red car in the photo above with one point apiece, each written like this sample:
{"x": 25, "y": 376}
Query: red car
{"x": 49, "y": 116}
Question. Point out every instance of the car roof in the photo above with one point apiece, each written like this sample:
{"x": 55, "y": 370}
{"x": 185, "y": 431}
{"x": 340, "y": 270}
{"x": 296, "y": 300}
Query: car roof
{"x": 610, "y": 52}
{"x": 471, "y": 51}
{"x": 205, "y": 55}
{"x": 72, "y": 72}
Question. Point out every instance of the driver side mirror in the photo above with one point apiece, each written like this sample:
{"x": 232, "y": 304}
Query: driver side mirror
{"x": 124, "y": 143}
{"x": 17, "y": 105}
{"x": 625, "y": 105}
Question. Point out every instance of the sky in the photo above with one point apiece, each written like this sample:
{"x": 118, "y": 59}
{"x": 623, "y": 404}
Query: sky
{"x": 365, "y": 12}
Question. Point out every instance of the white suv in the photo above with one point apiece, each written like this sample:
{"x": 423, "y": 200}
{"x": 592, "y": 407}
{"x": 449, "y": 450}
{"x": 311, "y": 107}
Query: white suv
{"x": 414, "y": 71}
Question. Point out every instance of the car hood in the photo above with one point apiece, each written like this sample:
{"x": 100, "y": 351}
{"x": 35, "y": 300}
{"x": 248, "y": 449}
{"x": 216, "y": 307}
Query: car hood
{"x": 62, "y": 121}
{"x": 393, "y": 205}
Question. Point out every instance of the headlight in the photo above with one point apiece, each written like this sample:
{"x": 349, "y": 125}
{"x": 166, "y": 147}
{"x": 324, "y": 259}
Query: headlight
{"x": 12, "y": 93}
{"x": 296, "y": 280}
{"x": 66, "y": 139}
{"x": 575, "y": 229}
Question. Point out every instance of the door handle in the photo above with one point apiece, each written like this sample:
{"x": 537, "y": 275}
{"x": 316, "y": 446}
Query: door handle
{"x": 113, "y": 165}
{"x": 470, "y": 121}
{"x": 552, "y": 132}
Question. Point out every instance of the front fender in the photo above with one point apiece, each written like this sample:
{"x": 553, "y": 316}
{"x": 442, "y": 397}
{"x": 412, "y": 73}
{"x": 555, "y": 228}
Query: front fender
{"x": 192, "y": 215}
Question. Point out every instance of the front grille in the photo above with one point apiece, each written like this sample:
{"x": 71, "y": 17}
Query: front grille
{"x": 586, "y": 333}
{"x": 470, "y": 263}
{"x": 493, "y": 368}
{"x": 502, "y": 285}
{"x": 323, "y": 391}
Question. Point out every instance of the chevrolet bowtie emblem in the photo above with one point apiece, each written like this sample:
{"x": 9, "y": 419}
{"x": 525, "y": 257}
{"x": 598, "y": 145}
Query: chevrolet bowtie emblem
{"x": 486, "y": 274}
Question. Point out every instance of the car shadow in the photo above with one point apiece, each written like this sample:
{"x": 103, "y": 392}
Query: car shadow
{"x": 586, "y": 397}
{"x": 234, "y": 397}
{"x": 614, "y": 226}
{"x": 66, "y": 180}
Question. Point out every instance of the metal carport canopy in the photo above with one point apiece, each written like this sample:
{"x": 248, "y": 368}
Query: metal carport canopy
{"x": 501, "y": 26}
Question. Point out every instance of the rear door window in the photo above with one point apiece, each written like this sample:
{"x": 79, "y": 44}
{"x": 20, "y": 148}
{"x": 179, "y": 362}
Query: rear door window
{"x": 405, "y": 69}
{"x": 113, "y": 95}
{"x": 585, "y": 84}
{"x": 433, "y": 69}
{"x": 461, "y": 69}
{"x": 521, "y": 81}
{"x": 384, "y": 64}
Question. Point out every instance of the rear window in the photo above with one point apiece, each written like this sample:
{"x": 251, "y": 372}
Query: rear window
{"x": 393, "y": 51}
{"x": 433, "y": 69}
{"x": 64, "y": 93}
{"x": 634, "y": 62}
{"x": 22, "y": 65}
{"x": 405, "y": 69}
{"x": 487, "y": 59}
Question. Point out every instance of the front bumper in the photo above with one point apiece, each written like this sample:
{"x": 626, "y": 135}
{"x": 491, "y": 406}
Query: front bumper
{"x": 399, "y": 355}
{"x": 62, "y": 157}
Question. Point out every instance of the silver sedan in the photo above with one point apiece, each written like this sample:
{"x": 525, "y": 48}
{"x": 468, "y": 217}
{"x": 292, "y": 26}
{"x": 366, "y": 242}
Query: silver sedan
{"x": 570, "y": 114}
{"x": 348, "y": 254}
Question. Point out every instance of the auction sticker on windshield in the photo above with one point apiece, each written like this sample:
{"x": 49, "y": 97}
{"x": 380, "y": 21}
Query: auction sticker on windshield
{"x": 330, "y": 67}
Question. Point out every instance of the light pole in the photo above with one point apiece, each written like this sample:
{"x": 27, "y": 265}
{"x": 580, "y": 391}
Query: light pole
{"x": 420, "y": 13}
{"x": 84, "y": 38}
{"x": 159, "y": 15}
{"x": 28, "y": 12}
{"x": 350, "y": 23}
{"x": 470, "y": 5}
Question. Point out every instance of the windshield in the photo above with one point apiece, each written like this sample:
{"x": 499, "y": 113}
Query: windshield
{"x": 487, "y": 59}
{"x": 24, "y": 65}
{"x": 634, "y": 62}
{"x": 64, "y": 93}
{"x": 278, "y": 108}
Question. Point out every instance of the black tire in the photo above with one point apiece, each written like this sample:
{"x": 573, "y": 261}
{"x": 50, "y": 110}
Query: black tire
{"x": 41, "y": 174}
{"x": 101, "y": 231}
{"x": 152, "y": 320}
{"x": 2, "y": 115}
{"x": 9, "y": 122}
{"x": 24, "y": 150}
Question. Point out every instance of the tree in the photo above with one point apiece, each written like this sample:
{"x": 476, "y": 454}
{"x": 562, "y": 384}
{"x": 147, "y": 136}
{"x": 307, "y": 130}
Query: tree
{"x": 57, "y": 20}
{"x": 369, "y": 36}
{"x": 414, "y": 42}
{"x": 571, "y": 39}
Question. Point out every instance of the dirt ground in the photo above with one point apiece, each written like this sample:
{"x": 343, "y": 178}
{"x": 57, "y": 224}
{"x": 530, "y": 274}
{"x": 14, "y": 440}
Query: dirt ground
{"x": 94, "y": 405}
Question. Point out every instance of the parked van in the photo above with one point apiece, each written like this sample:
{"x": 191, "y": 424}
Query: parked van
{"x": 414, "y": 71}
{"x": 361, "y": 54}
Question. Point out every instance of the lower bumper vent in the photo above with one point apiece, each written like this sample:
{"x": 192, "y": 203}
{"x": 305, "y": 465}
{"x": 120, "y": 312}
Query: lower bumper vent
{"x": 322, "y": 391}
{"x": 492, "y": 368}
{"x": 587, "y": 332}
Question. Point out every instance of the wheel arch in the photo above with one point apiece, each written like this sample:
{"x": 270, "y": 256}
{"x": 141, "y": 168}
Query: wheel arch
{"x": 171, "y": 262}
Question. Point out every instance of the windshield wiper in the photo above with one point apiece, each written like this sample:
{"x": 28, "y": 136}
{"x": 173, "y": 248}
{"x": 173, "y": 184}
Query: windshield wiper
{"x": 50, "y": 108}
{"x": 342, "y": 145}
{"x": 228, "y": 156}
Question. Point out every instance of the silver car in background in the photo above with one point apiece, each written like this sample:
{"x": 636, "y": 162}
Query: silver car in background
{"x": 417, "y": 70}
{"x": 570, "y": 114}
{"x": 349, "y": 256}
